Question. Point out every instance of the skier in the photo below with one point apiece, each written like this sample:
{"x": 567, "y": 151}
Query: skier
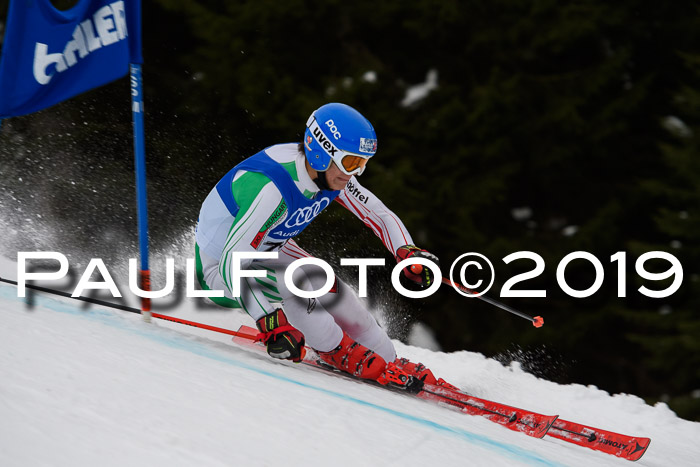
{"x": 267, "y": 200}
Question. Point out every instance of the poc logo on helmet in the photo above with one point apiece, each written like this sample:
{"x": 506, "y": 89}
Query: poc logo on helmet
{"x": 334, "y": 129}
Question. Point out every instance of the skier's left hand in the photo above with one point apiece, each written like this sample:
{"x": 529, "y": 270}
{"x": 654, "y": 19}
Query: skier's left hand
{"x": 418, "y": 277}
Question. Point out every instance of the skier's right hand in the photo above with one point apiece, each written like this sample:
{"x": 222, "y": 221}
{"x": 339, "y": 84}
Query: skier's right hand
{"x": 282, "y": 340}
{"x": 416, "y": 277}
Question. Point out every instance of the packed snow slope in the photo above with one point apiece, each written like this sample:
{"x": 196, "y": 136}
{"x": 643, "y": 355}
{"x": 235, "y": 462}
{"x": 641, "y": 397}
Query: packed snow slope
{"x": 101, "y": 387}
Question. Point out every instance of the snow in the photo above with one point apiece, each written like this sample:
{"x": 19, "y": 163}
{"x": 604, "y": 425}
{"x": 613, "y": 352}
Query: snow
{"x": 102, "y": 387}
{"x": 676, "y": 126}
{"x": 521, "y": 213}
{"x": 418, "y": 92}
{"x": 370, "y": 77}
{"x": 422, "y": 336}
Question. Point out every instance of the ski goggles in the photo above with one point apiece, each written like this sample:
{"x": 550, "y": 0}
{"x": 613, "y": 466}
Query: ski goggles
{"x": 351, "y": 164}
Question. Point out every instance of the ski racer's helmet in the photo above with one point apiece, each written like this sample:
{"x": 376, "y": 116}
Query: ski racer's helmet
{"x": 339, "y": 133}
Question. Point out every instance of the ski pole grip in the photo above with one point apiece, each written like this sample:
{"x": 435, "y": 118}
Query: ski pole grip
{"x": 416, "y": 268}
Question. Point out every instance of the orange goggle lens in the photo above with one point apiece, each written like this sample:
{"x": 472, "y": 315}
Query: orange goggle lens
{"x": 351, "y": 163}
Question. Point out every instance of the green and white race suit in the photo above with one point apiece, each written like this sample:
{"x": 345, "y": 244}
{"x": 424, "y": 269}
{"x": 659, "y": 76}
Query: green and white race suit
{"x": 260, "y": 204}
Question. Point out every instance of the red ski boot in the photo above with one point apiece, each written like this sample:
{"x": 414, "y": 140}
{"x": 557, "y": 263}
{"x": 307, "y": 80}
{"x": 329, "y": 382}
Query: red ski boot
{"x": 359, "y": 361}
{"x": 395, "y": 377}
{"x": 355, "y": 359}
{"x": 419, "y": 371}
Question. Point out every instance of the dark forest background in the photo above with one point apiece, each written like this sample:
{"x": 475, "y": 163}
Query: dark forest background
{"x": 554, "y": 127}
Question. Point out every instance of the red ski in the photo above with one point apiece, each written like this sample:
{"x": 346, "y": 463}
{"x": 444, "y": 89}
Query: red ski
{"x": 525, "y": 421}
{"x": 627, "y": 447}
{"x": 624, "y": 446}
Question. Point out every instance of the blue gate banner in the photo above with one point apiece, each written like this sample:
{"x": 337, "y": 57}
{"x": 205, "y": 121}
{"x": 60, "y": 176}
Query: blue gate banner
{"x": 49, "y": 55}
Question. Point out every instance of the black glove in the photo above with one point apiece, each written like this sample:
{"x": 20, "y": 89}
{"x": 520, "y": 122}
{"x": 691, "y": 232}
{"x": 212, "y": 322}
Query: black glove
{"x": 282, "y": 340}
{"x": 416, "y": 277}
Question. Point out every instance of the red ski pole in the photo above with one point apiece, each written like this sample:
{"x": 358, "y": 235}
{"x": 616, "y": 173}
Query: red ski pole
{"x": 537, "y": 321}
{"x": 134, "y": 310}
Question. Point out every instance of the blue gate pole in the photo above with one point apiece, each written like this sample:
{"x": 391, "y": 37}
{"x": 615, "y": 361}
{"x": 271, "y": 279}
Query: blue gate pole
{"x": 141, "y": 204}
